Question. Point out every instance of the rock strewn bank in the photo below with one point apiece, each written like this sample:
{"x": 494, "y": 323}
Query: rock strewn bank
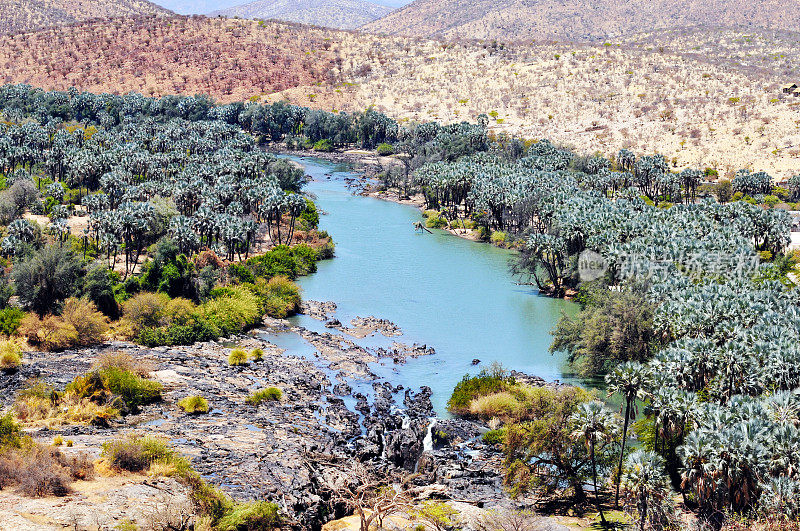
{"x": 263, "y": 452}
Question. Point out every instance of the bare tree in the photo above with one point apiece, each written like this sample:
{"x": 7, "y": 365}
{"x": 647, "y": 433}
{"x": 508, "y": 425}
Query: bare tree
{"x": 372, "y": 495}
{"x": 509, "y": 520}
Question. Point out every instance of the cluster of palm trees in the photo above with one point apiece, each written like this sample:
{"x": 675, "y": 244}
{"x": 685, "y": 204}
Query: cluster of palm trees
{"x": 218, "y": 187}
{"x": 722, "y": 397}
{"x": 561, "y": 211}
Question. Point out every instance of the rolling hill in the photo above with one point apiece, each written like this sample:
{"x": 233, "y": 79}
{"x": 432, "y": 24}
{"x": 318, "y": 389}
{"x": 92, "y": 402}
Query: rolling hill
{"x": 27, "y": 15}
{"x": 522, "y": 20}
{"x": 697, "y": 96}
{"x": 341, "y": 14}
{"x": 232, "y": 60}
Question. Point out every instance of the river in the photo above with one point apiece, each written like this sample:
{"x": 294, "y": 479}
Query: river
{"x": 447, "y": 292}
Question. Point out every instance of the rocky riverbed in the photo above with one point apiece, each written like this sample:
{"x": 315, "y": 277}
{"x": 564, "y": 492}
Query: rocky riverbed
{"x": 334, "y": 407}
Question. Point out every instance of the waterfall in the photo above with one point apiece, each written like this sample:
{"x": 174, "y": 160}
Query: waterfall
{"x": 427, "y": 442}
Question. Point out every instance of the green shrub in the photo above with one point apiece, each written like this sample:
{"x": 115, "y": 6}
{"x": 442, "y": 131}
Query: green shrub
{"x": 137, "y": 453}
{"x": 385, "y": 149}
{"x": 494, "y": 437}
{"x": 270, "y": 394}
{"x": 131, "y": 286}
{"x": 471, "y": 387}
{"x": 289, "y": 262}
{"x": 280, "y": 297}
{"x": 771, "y": 200}
{"x": 257, "y": 354}
{"x": 306, "y": 259}
{"x": 10, "y": 432}
{"x": 134, "y": 390}
{"x": 323, "y": 145}
{"x": 278, "y": 261}
{"x": 309, "y": 217}
{"x": 237, "y": 357}
{"x": 99, "y": 288}
{"x": 10, "y": 355}
{"x": 327, "y": 251}
{"x": 462, "y": 224}
{"x": 196, "y": 330}
{"x": 46, "y": 278}
{"x": 100, "y": 385}
{"x": 435, "y": 220}
{"x": 499, "y": 238}
{"x": 194, "y": 405}
{"x": 232, "y": 310}
{"x": 241, "y": 273}
{"x": 254, "y": 515}
{"x": 169, "y": 271}
{"x": 145, "y": 310}
{"x": 10, "y": 319}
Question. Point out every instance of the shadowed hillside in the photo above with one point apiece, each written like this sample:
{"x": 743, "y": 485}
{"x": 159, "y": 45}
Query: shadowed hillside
{"x": 342, "y": 14}
{"x": 27, "y": 15}
{"x": 510, "y": 20}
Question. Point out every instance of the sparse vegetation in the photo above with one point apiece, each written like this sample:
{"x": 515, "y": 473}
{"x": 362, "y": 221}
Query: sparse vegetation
{"x": 37, "y": 470}
{"x": 10, "y": 355}
{"x": 237, "y": 357}
{"x": 270, "y": 394}
{"x": 143, "y": 453}
{"x": 194, "y": 405}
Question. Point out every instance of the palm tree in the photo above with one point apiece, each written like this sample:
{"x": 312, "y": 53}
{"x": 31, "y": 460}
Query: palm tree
{"x": 626, "y": 380}
{"x": 594, "y": 423}
{"x": 645, "y": 480}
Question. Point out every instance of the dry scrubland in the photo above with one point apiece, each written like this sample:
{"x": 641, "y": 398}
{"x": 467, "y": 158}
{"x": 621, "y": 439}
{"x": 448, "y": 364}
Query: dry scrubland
{"x": 343, "y": 14}
{"x": 231, "y": 60}
{"x": 523, "y": 20}
{"x": 26, "y": 15}
{"x": 702, "y": 97}
{"x": 709, "y": 97}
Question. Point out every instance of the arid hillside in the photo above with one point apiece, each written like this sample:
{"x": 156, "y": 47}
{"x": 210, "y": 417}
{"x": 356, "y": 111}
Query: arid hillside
{"x": 342, "y": 14}
{"x": 27, "y": 15}
{"x": 229, "y": 59}
{"x": 700, "y": 97}
{"x": 524, "y": 20}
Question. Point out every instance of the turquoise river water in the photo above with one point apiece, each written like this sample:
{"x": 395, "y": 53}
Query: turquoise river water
{"x": 449, "y": 293}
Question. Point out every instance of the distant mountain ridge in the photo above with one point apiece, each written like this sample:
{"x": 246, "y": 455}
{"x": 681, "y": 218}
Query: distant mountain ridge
{"x": 340, "y": 14}
{"x": 29, "y": 15}
{"x": 521, "y": 20}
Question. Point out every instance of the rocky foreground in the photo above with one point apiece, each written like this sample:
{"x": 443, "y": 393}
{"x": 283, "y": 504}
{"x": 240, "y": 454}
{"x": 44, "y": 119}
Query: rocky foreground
{"x": 277, "y": 451}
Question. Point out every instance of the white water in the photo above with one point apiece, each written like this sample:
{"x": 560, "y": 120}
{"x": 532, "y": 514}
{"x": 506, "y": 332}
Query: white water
{"x": 427, "y": 442}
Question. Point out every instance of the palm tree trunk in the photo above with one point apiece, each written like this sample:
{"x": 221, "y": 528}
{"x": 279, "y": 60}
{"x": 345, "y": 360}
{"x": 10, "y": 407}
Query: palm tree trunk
{"x": 594, "y": 482}
{"x": 643, "y": 512}
{"x": 622, "y": 451}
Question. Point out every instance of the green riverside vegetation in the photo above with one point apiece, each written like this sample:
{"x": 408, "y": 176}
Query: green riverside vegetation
{"x": 687, "y": 307}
